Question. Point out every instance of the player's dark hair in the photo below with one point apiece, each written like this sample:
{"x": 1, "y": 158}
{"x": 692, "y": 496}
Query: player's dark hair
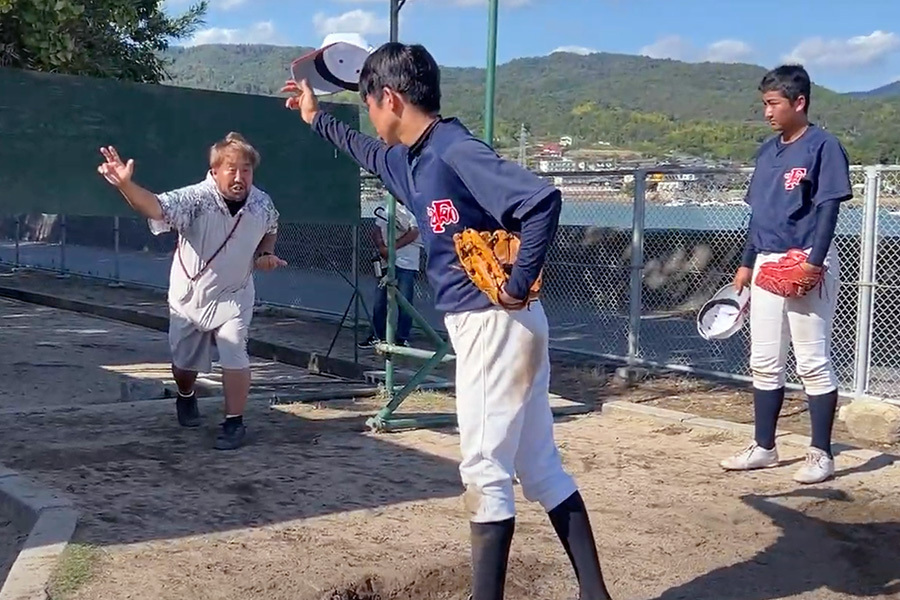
{"x": 409, "y": 70}
{"x": 791, "y": 81}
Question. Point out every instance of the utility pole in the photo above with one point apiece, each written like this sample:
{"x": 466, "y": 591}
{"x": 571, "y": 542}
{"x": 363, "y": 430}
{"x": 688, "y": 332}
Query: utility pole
{"x": 523, "y": 145}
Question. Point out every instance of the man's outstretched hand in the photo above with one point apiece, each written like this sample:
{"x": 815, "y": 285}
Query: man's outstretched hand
{"x": 269, "y": 262}
{"x": 114, "y": 170}
{"x": 303, "y": 100}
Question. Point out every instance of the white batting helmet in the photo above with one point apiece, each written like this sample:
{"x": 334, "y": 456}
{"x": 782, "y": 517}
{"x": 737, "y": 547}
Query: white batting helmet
{"x": 335, "y": 66}
{"x": 724, "y": 314}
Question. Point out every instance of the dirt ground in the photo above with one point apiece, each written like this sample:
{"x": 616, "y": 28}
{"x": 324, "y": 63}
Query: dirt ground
{"x": 582, "y": 380}
{"x": 316, "y": 507}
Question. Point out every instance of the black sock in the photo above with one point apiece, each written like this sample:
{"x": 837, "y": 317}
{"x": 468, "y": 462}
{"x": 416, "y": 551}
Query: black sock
{"x": 490, "y": 556}
{"x": 572, "y": 525}
{"x": 766, "y": 406}
{"x": 821, "y": 415}
{"x": 189, "y": 395}
{"x": 234, "y": 420}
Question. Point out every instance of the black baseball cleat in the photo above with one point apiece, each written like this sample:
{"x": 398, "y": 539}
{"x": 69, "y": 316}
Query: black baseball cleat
{"x": 187, "y": 410}
{"x": 369, "y": 342}
{"x": 232, "y": 434}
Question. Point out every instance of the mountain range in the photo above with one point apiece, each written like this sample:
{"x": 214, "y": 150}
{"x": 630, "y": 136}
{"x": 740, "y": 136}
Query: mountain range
{"x": 885, "y": 91}
{"x": 603, "y": 101}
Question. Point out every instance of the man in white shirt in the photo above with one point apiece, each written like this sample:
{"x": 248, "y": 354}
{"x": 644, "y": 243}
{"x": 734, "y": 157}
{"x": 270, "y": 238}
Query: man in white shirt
{"x": 407, "y": 267}
{"x": 226, "y": 226}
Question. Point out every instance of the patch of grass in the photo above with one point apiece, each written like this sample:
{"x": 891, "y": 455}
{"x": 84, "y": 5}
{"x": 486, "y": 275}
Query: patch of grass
{"x": 430, "y": 401}
{"x": 76, "y": 566}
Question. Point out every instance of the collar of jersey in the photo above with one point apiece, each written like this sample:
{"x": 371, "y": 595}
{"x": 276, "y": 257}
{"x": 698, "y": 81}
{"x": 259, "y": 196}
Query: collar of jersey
{"x": 419, "y": 144}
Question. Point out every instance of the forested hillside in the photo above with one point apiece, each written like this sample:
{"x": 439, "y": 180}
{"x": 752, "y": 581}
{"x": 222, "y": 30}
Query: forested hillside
{"x": 655, "y": 106}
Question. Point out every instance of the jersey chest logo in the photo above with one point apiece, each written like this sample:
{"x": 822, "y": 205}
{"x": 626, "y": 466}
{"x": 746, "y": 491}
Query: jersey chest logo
{"x": 793, "y": 177}
{"x": 442, "y": 213}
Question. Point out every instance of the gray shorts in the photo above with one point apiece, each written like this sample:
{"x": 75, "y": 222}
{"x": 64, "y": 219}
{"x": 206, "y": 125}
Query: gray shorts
{"x": 192, "y": 348}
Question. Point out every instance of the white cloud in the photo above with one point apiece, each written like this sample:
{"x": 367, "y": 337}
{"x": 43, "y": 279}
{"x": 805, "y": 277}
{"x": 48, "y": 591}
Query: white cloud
{"x": 505, "y": 3}
{"x": 575, "y": 50}
{"x": 858, "y": 51}
{"x": 258, "y": 33}
{"x": 678, "y": 48}
{"x": 213, "y": 4}
{"x": 728, "y": 51}
{"x": 358, "y": 21}
{"x": 462, "y": 3}
{"x": 672, "y": 46}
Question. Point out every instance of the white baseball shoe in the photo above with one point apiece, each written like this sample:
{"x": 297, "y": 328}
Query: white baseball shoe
{"x": 753, "y": 456}
{"x": 817, "y": 468}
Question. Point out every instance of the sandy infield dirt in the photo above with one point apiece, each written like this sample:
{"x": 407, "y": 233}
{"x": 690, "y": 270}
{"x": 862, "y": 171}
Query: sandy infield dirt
{"x": 316, "y": 507}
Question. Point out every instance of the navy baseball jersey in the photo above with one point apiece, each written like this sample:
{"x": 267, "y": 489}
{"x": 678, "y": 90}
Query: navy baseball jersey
{"x": 451, "y": 180}
{"x": 795, "y": 192}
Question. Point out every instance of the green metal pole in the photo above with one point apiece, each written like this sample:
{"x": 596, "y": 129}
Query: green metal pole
{"x": 491, "y": 72}
{"x": 396, "y": 5}
{"x": 391, "y": 290}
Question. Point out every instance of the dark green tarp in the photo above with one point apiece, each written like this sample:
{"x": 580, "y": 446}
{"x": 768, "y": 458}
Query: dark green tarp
{"x": 52, "y": 127}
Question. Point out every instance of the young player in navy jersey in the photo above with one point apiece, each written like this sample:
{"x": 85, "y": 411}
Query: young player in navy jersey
{"x": 451, "y": 180}
{"x": 802, "y": 175}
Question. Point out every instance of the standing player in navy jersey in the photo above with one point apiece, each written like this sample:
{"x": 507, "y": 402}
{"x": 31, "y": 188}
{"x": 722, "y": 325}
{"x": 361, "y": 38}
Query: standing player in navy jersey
{"x": 802, "y": 175}
{"x": 451, "y": 180}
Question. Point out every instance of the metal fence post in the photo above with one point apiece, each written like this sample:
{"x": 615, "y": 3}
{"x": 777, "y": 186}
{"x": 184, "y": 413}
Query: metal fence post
{"x": 62, "y": 246}
{"x": 117, "y": 280}
{"x": 18, "y": 236}
{"x": 637, "y": 266}
{"x": 355, "y": 270}
{"x": 868, "y": 244}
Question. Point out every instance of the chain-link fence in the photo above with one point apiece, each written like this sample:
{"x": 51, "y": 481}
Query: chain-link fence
{"x": 879, "y": 299}
{"x": 636, "y": 255}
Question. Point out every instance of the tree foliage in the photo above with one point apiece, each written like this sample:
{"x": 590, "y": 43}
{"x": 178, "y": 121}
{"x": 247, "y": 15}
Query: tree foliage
{"x": 117, "y": 39}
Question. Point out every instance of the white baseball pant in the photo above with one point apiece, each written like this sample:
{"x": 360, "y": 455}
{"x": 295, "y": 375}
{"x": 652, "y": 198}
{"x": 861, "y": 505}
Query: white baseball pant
{"x": 503, "y": 410}
{"x": 805, "y": 323}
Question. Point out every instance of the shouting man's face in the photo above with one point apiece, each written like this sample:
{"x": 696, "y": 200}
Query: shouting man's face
{"x": 234, "y": 176}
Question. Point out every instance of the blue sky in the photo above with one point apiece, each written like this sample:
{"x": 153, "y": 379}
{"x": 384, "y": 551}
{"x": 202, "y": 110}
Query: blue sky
{"x": 846, "y": 45}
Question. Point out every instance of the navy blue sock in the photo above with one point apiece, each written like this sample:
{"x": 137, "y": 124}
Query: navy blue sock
{"x": 766, "y": 406}
{"x": 821, "y": 414}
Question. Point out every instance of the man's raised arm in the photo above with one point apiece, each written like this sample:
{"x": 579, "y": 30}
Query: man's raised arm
{"x": 371, "y": 154}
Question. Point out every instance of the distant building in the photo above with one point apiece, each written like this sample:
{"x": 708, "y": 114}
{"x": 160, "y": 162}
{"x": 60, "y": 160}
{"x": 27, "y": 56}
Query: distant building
{"x": 551, "y": 151}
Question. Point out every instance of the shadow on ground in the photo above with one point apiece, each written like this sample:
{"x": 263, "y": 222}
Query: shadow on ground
{"x": 137, "y": 476}
{"x": 829, "y": 540}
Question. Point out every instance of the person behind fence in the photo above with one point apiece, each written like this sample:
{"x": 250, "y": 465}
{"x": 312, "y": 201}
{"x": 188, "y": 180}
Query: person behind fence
{"x": 226, "y": 226}
{"x": 801, "y": 177}
{"x": 407, "y": 259}
{"x": 452, "y": 181}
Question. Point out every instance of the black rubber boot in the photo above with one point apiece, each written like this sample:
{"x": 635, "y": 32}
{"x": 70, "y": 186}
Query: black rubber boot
{"x": 572, "y": 525}
{"x": 490, "y": 556}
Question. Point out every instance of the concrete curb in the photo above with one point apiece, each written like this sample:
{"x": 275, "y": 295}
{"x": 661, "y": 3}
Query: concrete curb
{"x": 311, "y": 361}
{"x": 688, "y": 419}
{"x": 51, "y": 519}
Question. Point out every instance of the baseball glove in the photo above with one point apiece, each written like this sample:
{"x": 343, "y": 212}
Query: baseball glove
{"x": 487, "y": 258}
{"x": 786, "y": 276}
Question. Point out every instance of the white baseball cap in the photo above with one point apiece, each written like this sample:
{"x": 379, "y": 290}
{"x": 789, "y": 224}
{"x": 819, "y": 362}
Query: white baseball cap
{"x": 724, "y": 314}
{"x": 334, "y": 67}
